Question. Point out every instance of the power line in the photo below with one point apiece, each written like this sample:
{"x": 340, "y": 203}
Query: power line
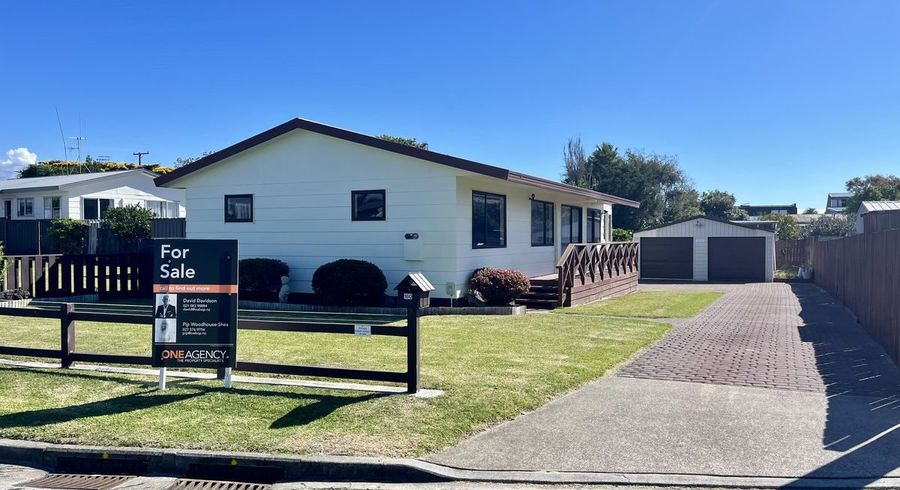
{"x": 140, "y": 154}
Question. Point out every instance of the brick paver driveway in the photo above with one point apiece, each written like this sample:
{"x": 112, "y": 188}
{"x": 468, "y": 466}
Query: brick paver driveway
{"x": 772, "y": 336}
{"x": 770, "y": 380}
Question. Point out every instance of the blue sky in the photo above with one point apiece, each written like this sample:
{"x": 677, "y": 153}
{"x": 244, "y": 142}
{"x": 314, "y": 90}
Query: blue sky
{"x": 777, "y": 102}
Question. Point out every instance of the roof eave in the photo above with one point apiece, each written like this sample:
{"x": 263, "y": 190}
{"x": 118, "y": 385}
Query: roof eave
{"x": 531, "y": 180}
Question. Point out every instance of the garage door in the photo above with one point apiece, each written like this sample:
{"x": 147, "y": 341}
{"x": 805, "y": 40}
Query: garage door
{"x": 667, "y": 258}
{"x": 737, "y": 259}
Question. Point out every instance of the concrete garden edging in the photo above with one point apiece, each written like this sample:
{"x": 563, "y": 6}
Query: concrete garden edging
{"x": 377, "y": 310}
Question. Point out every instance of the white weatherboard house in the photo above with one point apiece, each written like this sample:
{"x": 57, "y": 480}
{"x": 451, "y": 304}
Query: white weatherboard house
{"x": 308, "y": 194}
{"x": 87, "y": 196}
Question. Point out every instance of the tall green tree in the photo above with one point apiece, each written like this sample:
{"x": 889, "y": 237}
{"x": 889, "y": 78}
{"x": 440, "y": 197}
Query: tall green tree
{"x": 664, "y": 191}
{"x": 872, "y": 188}
{"x": 721, "y": 205}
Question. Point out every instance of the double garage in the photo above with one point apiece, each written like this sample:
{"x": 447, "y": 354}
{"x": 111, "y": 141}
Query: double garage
{"x": 705, "y": 249}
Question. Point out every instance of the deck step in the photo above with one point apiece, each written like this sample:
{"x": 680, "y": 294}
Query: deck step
{"x": 543, "y": 294}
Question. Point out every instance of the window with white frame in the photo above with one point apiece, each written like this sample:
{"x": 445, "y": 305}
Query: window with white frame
{"x": 25, "y": 207}
{"x": 163, "y": 209}
{"x": 52, "y": 207}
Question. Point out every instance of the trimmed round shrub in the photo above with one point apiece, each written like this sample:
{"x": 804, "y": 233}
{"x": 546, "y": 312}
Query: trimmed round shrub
{"x": 17, "y": 293}
{"x": 349, "y": 282}
{"x": 260, "y": 279}
{"x": 498, "y": 287}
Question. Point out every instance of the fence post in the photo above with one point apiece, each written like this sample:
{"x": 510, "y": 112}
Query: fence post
{"x": 67, "y": 334}
{"x": 412, "y": 343}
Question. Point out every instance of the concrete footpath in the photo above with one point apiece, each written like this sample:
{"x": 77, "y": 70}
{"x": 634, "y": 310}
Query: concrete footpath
{"x": 772, "y": 380}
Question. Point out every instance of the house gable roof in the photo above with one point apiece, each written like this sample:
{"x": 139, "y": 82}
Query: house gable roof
{"x": 431, "y": 156}
{"x": 57, "y": 182}
{"x": 700, "y": 216}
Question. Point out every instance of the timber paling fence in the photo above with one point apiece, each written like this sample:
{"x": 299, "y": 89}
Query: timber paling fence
{"x": 863, "y": 273}
{"x": 68, "y": 315}
{"x": 792, "y": 253}
{"x": 110, "y": 276}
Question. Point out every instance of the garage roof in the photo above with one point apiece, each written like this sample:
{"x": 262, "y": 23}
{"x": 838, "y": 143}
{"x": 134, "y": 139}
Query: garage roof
{"x": 700, "y": 216}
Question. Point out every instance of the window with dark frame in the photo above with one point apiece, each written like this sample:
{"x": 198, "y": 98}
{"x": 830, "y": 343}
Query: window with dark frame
{"x": 595, "y": 225}
{"x": 239, "y": 208}
{"x": 541, "y": 223}
{"x": 488, "y": 220}
{"x": 368, "y": 205}
{"x": 570, "y": 225}
{"x": 25, "y": 207}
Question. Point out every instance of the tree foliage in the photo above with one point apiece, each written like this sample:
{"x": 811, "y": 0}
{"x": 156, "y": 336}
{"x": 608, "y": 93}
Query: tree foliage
{"x": 422, "y": 145}
{"x": 69, "y": 236}
{"x": 180, "y": 162}
{"x": 788, "y": 229}
{"x": 60, "y": 167}
{"x": 872, "y": 188}
{"x": 831, "y": 225}
{"x": 721, "y": 205}
{"x": 810, "y": 211}
{"x": 129, "y": 223}
{"x": 664, "y": 191}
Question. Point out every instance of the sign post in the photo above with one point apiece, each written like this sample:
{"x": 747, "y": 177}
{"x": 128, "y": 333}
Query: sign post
{"x": 195, "y": 285}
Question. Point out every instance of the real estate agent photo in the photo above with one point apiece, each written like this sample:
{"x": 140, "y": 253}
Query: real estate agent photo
{"x": 164, "y": 306}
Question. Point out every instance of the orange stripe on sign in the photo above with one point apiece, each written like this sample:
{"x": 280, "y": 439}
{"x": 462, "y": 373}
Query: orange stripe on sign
{"x": 195, "y": 288}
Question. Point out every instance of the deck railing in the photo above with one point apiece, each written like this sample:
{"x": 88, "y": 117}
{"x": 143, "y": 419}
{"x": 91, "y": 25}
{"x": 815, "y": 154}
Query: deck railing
{"x": 587, "y": 263}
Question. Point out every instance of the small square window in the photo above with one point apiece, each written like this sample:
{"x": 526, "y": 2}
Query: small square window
{"x": 239, "y": 208}
{"x": 368, "y": 205}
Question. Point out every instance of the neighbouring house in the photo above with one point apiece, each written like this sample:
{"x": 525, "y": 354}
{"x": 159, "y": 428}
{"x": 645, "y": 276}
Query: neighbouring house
{"x": 707, "y": 249}
{"x": 837, "y": 202}
{"x": 308, "y": 194}
{"x": 886, "y": 216}
{"x": 87, "y": 196}
{"x": 755, "y": 211}
{"x": 804, "y": 220}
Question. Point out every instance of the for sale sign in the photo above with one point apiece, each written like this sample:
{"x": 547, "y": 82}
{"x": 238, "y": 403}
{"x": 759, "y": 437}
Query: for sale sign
{"x": 195, "y": 285}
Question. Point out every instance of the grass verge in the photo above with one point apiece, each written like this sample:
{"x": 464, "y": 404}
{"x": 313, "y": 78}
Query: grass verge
{"x": 491, "y": 368}
{"x": 649, "y": 304}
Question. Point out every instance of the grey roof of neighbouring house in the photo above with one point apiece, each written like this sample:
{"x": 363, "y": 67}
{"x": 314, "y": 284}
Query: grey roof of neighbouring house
{"x": 840, "y": 194}
{"x": 56, "y": 182}
{"x": 872, "y": 206}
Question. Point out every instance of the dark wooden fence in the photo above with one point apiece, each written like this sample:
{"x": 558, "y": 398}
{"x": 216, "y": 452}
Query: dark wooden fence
{"x": 110, "y": 276}
{"x": 792, "y": 253}
{"x": 590, "y": 271}
{"x": 863, "y": 273}
{"x": 67, "y": 353}
{"x": 32, "y": 236}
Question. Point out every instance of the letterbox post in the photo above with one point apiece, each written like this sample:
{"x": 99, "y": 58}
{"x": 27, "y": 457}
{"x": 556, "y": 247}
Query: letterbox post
{"x": 67, "y": 334}
{"x": 412, "y": 343}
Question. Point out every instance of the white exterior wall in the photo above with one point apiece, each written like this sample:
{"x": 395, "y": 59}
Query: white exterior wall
{"x": 38, "y": 203}
{"x": 302, "y": 182}
{"x": 701, "y": 235}
{"x": 518, "y": 253}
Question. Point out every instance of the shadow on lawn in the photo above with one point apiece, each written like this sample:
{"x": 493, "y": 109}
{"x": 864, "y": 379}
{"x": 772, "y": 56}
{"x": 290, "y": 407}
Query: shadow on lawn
{"x": 311, "y": 407}
{"x": 863, "y": 389}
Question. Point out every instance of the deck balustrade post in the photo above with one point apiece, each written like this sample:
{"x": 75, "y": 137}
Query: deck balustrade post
{"x": 67, "y": 334}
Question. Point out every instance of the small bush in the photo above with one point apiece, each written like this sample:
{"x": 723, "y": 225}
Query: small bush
{"x": 499, "y": 287}
{"x": 15, "y": 294}
{"x": 69, "y": 236}
{"x": 622, "y": 235}
{"x": 130, "y": 224}
{"x": 349, "y": 282}
{"x": 260, "y": 279}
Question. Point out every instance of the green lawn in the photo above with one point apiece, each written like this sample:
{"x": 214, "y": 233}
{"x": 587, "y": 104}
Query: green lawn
{"x": 649, "y": 304}
{"x": 491, "y": 369}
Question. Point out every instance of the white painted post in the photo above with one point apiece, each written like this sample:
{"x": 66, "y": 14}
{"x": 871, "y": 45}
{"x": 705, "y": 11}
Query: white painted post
{"x": 228, "y": 383}
{"x": 162, "y": 379}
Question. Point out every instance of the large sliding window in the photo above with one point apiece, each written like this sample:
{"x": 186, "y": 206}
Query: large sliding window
{"x": 541, "y": 223}
{"x": 570, "y": 225}
{"x": 595, "y": 225}
{"x": 488, "y": 220}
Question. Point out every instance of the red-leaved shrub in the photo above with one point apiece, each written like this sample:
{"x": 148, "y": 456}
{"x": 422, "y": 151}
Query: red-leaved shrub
{"x": 498, "y": 287}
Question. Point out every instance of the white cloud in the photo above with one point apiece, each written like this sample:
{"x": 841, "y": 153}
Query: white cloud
{"x": 16, "y": 159}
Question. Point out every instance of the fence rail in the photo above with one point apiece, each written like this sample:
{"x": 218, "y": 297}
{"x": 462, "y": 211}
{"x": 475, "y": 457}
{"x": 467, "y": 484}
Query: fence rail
{"x": 68, "y": 315}
{"x": 863, "y": 273}
{"x": 118, "y": 275}
{"x": 586, "y": 264}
